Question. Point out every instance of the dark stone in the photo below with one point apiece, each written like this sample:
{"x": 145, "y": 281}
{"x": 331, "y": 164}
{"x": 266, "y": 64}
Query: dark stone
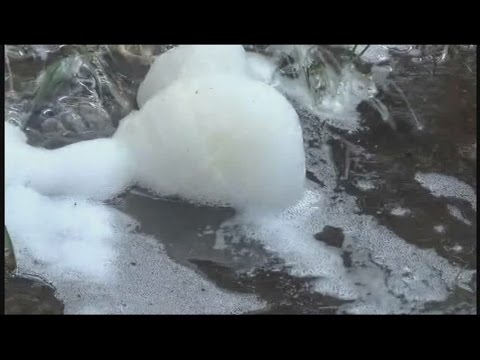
{"x": 332, "y": 236}
{"x": 30, "y": 295}
{"x": 133, "y": 263}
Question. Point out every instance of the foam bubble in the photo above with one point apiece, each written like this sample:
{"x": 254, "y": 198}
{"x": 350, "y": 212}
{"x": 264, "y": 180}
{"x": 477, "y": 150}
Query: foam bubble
{"x": 96, "y": 169}
{"x": 400, "y": 211}
{"x": 187, "y": 61}
{"x": 260, "y": 67}
{"x": 221, "y": 139}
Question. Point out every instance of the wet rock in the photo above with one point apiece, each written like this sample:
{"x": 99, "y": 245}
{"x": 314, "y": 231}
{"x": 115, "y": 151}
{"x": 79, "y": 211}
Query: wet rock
{"x": 331, "y": 235}
{"x": 10, "y": 262}
{"x": 30, "y": 296}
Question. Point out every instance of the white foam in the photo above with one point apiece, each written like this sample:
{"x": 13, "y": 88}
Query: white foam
{"x": 387, "y": 274}
{"x": 400, "y": 211}
{"x": 338, "y": 106}
{"x": 457, "y": 214}
{"x": 260, "y": 67}
{"x": 86, "y": 251}
{"x": 96, "y": 169}
{"x": 447, "y": 186}
{"x": 220, "y": 139}
{"x": 187, "y": 61}
{"x": 364, "y": 184}
{"x": 68, "y": 235}
{"x": 289, "y": 235}
{"x": 222, "y": 160}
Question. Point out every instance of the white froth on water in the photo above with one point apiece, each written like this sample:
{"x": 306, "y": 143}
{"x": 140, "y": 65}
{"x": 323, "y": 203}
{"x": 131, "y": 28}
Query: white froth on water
{"x": 338, "y": 107}
{"x": 289, "y": 236}
{"x": 386, "y": 274}
{"x": 96, "y": 169}
{"x": 224, "y": 139}
{"x": 457, "y": 214}
{"x": 400, "y": 211}
{"x": 364, "y": 184}
{"x": 68, "y": 235}
{"x": 147, "y": 281}
{"x": 98, "y": 265}
{"x": 447, "y": 186}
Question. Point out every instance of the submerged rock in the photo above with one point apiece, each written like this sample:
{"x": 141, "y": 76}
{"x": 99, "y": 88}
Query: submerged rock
{"x": 331, "y": 235}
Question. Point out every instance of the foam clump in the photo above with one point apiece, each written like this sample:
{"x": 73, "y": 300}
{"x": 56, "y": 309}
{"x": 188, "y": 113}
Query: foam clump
{"x": 223, "y": 140}
{"x": 261, "y": 68}
{"x": 187, "y": 61}
{"x": 96, "y": 169}
{"x": 64, "y": 234}
{"x": 208, "y": 133}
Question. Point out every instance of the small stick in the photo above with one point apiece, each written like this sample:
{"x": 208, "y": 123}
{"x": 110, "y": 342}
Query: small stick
{"x": 402, "y": 94}
{"x": 363, "y": 51}
{"x": 347, "y": 162}
{"x": 10, "y": 75}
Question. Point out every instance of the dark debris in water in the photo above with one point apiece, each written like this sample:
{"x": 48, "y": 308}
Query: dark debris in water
{"x": 331, "y": 235}
{"x": 285, "y": 294}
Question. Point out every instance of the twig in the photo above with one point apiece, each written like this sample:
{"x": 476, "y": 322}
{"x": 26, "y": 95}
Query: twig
{"x": 444, "y": 53}
{"x": 363, "y": 51}
{"x": 353, "y": 52}
{"x": 10, "y": 75}
{"x": 402, "y": 94}
{"x": 460, "y": 272}
{"x": 347, "y": 162}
